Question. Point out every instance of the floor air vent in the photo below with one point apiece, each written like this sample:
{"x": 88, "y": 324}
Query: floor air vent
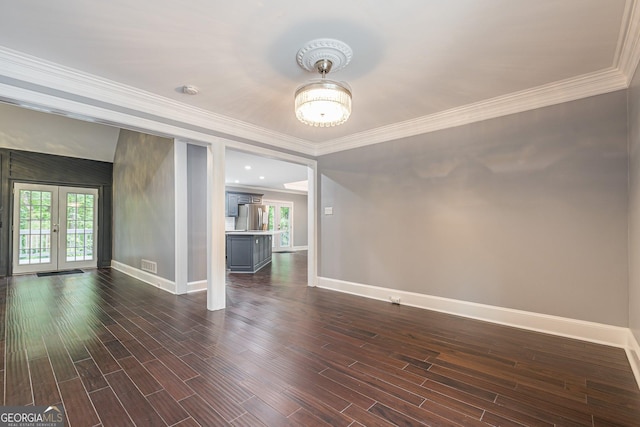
{"x": 150, "y": 266}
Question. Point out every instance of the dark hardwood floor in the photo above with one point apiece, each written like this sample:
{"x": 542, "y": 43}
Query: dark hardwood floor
{"x": 118, "y": 352}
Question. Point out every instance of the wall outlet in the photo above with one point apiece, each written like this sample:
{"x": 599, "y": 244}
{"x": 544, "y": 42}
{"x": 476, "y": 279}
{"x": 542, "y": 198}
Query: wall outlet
{"x": 394, "y": 300}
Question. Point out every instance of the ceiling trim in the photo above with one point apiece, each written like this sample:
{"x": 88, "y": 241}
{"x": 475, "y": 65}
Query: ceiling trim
{"x": 629, "y": 42}
{"x": 57, "y": 105}
{"x": 543, "y": 96}
{"x": 617, "y": 77}
{"x": 19, "y": 66}
{"x": 266, "y": 189}
{"x": 105, "y": 99}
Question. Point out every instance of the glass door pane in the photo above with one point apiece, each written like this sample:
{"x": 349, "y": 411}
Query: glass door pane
{"x": 55, "y": 228}
{"x": 271, "y": 222}
{"x": 78, "y": 227}
{"x": 35, "y": 237}
{"x": 285, "y": 232}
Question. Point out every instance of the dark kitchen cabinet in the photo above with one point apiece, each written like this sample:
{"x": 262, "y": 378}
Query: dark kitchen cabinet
{"x": 243, "y": 198}
{"x": 240, "y": 253}
{"x": 231, "y": 205}
{"x": 248, "y": 252}
{"x": 233, "y": 199}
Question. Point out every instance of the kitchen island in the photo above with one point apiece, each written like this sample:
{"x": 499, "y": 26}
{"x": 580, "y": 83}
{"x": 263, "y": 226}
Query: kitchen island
{"x": 248, "y": 251}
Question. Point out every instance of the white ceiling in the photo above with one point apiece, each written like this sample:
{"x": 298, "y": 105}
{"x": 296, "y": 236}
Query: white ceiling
{"x": 275, "y": 173}
{"x": 417, "y": 65}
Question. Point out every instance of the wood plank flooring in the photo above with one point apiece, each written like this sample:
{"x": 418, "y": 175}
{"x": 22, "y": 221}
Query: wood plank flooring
{"x": 118, "y": 352}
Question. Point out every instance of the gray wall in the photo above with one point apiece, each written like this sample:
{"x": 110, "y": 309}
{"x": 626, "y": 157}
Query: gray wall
{"x": 300, "y": 220}
{"x": 634, "y": 206}
{"x": 197, "y": 212}
{"x": 527, "y": 211}
{"x": 143, "y": 201}
{"x": 27, "y": 130}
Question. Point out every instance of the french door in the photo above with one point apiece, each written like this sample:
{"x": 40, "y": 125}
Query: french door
{"x": 280, "y": 219}
{"x": 54, "y": 228}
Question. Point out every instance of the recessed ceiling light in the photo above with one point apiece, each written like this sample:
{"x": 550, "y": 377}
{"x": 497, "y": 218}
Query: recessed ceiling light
{"x": 248, "y": 167}
{"x": 237, "y": 181}
{"x": 262, "y": 177}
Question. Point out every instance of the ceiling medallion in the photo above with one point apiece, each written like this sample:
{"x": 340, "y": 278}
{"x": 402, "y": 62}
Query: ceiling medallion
{"x": 323, "y": 102}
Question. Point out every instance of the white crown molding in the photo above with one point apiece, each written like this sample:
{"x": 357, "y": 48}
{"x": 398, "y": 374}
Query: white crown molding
{"x": 33, "y": 70}
{"x": 592, "y": 84}
{"x": 628, "y": 51}
{"x": 617, "y": 77}
{"x": 19, "y": 66}
{"x": 269, "y": 189}
{"x": 119, "y": 119}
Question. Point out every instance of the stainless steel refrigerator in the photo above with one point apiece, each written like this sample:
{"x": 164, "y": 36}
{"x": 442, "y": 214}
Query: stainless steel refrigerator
{"x": 252, "y": 217}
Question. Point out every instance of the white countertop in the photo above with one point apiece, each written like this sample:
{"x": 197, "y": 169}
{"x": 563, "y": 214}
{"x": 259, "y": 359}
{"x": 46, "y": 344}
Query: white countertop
{"x": 252, "y": 232}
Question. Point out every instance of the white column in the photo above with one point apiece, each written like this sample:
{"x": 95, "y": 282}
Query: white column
{"x": 216, "y": 263}
{"x": 312, "y": 218}
{"x": 181, "y": 216}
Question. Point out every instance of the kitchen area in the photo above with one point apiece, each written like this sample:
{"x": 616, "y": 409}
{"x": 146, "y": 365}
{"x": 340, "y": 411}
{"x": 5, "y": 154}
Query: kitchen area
{"x": 265, "y": 210}
{"x": 248, "y": 238}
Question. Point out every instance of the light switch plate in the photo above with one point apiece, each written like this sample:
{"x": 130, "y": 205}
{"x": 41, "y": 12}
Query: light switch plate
{"x": 328, "y": 210}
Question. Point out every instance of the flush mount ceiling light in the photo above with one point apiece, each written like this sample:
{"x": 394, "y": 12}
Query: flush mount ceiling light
{"x": 323, "y": 102}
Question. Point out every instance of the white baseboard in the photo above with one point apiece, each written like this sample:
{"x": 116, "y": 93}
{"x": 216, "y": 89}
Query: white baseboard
{"x": 151, "y": 279}
{"x": 579, "y": 329}
{"x": 293, "y": 249}
{"x": 198, "y": 286}
{"x": 599, "y": 333}
{"x": 633, "y": 354}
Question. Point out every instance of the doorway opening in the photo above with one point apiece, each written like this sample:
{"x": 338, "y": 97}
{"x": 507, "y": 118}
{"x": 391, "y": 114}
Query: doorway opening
{"x": 280, "y": 220}
{"x": 54, "y": 228}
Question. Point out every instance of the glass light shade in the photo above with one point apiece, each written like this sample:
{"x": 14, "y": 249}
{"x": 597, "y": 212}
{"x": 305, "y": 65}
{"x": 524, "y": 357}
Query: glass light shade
{"x": 323, "y": 103}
